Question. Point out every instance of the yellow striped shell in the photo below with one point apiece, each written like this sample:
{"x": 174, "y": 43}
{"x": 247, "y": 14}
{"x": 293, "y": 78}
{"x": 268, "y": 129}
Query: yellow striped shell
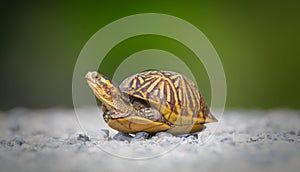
{"x": 175, "y": 96}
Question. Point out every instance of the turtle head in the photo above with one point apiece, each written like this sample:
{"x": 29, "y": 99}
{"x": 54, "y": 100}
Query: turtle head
{"x": 106, "y": 90}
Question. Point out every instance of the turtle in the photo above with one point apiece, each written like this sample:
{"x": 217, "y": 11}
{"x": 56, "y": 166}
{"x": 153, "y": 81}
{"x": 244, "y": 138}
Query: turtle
{"x": 150, "y": 102}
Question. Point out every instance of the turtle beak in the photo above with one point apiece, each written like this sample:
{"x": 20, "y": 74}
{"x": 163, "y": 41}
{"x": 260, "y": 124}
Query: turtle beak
{"x": 88, "y": 75}
{"x": 104, "y": 89}
{"x": 91, "y": 76}
{"x": 94, "y": 80}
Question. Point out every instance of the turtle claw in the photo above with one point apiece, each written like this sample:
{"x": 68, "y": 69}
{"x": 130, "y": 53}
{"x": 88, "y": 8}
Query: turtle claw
{"x": 195, "y": 136}
{"x": 120, "y": 136}
{"x": 141, "y": 136}
{"x": 192, "y": 139}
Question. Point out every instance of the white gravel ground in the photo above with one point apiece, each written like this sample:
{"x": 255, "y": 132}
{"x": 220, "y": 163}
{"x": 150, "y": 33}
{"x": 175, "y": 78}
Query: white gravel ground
{"x": 51, "y": 140}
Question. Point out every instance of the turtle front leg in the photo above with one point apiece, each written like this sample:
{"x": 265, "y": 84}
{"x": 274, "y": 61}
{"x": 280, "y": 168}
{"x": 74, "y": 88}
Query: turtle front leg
{"x": 152, "y": 114}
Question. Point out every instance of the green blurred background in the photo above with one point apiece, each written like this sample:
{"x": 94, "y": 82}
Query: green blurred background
{"x": 257, "y": 41}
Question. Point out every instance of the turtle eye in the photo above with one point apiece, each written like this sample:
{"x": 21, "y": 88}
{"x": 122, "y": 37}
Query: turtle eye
{"x": 94, "y": 75}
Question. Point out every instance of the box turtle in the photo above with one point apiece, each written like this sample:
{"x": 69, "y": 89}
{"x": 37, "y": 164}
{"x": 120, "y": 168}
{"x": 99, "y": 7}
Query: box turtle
{"x": 151, "y": 102}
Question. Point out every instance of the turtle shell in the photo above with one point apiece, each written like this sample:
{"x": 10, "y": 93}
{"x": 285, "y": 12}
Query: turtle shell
{"x": 175, "y": 96}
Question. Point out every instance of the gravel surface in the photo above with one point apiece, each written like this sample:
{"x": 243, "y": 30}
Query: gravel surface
{"x": 51, "y": 140}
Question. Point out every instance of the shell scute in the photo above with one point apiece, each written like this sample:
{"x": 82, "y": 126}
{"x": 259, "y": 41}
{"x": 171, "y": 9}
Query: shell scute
{"x": 174, "y": 95}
